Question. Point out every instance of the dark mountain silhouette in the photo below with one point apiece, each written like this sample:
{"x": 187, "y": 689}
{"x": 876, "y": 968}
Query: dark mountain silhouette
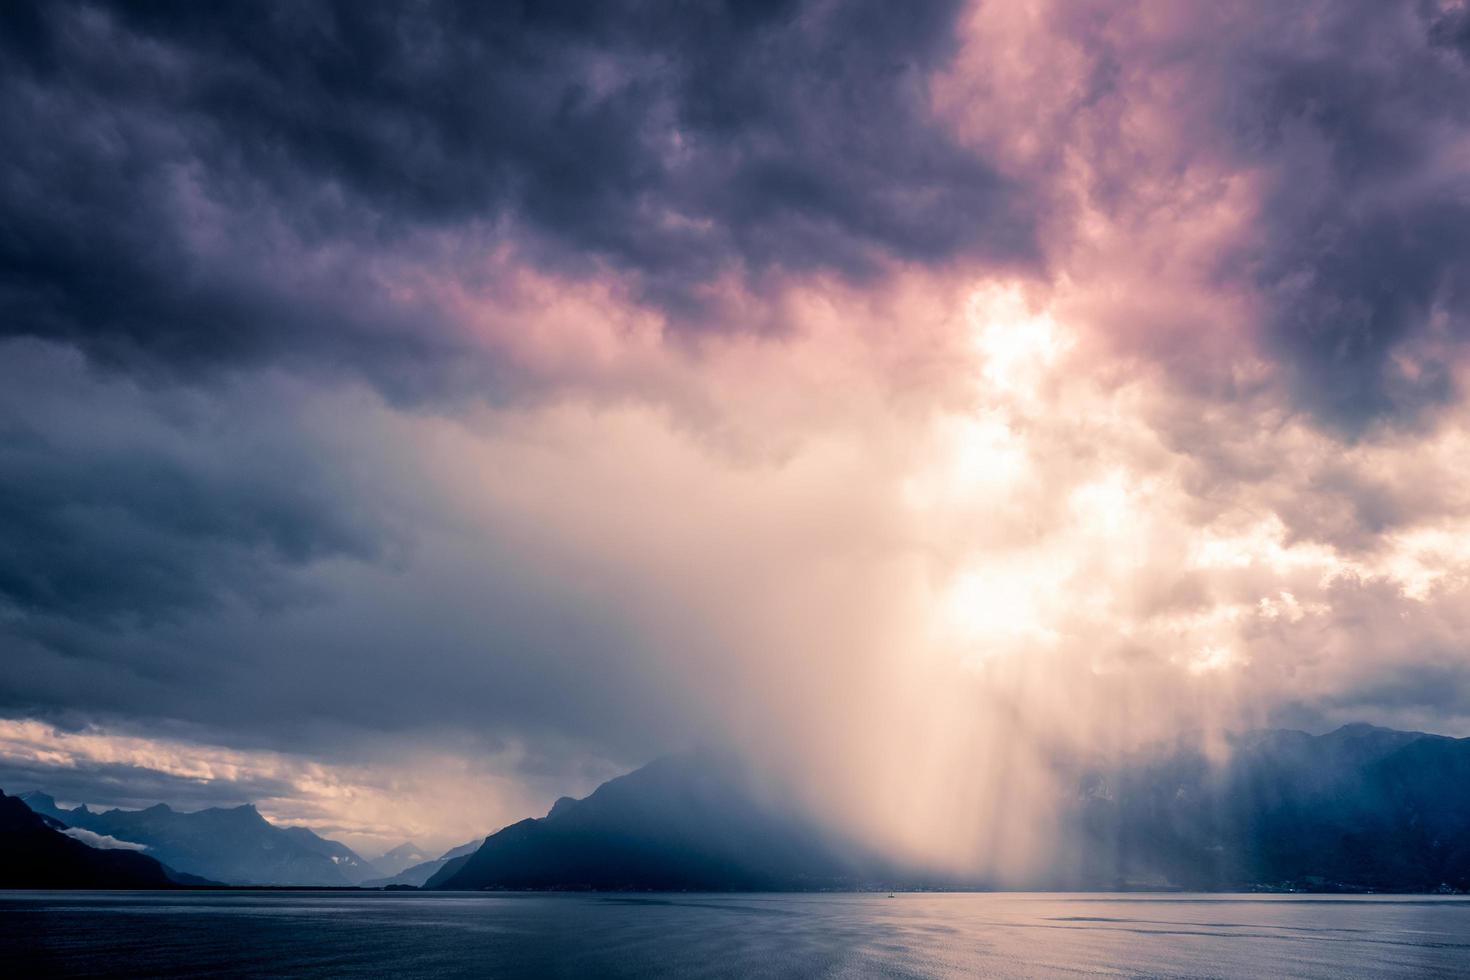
{"x": 35, "y": 853}
{"x": 420, "y": 873}
{"x": 235, "y": 845}
{"x": 683, "y": 823}
{"x": 1359, "y": 808}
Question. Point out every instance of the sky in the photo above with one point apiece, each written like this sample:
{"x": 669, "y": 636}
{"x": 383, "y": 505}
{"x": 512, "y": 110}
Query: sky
{"x": 412, "y": 413}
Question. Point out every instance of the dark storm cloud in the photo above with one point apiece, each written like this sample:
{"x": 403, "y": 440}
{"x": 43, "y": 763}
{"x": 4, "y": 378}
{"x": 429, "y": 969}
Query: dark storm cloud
{"x": 675, "y": 144}
{"x": 1347, "y": 123}
{"x": 196, "y": 195}
{"x": 1366, "y": 222}
{"x": 261, "y": 560}
{"x": 1438, "y": 687}
{"x": 226, "y": 230}
{"x": 94, "y": 537}
{"x": 103, "y": 785}
{"x": 1428, "y": 694}
{"x": 122, "y": 507}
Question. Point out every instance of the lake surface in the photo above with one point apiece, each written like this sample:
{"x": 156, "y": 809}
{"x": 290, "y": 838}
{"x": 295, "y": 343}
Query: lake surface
{"x": 318, "y": 934}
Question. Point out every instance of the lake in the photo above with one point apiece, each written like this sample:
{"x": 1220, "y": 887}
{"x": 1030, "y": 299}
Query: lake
{"x": 409, "y": 934}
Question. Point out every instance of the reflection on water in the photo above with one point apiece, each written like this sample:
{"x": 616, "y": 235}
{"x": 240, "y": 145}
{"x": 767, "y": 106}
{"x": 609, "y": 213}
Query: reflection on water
{"x": 909, "y": 935}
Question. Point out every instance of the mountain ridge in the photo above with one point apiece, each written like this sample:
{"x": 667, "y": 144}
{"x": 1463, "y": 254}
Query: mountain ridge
{"x": 679, "y": 823}
{"x": 1359, "y": 808}
{"x": 236, "y": 845}
{"x": 36, "y": 853}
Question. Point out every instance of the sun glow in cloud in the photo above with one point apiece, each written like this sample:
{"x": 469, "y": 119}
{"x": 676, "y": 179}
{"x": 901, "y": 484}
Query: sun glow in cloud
{"x": 1005, "y": 606}
{"x": 1078, "y": 556}
{"x": 1018, "y": 345}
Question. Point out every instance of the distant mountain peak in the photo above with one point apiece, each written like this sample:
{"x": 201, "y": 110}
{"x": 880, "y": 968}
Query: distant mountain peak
{"x": 420, "y": 871}
{"x": 403, "y": 855}
{"x": 1364, "y": 728}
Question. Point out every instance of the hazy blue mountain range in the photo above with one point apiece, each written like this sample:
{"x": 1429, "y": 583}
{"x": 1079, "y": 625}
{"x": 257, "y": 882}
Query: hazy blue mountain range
{"x": 1357, "y": 808}
{"x": 1360, "y": 808}
{"x": 416, "y": 875}
{"x": 353, "y": 867}
{"x": 35, "y": 853}
{"x": 235, "y": 845}
{"x": 400, "y": 858}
